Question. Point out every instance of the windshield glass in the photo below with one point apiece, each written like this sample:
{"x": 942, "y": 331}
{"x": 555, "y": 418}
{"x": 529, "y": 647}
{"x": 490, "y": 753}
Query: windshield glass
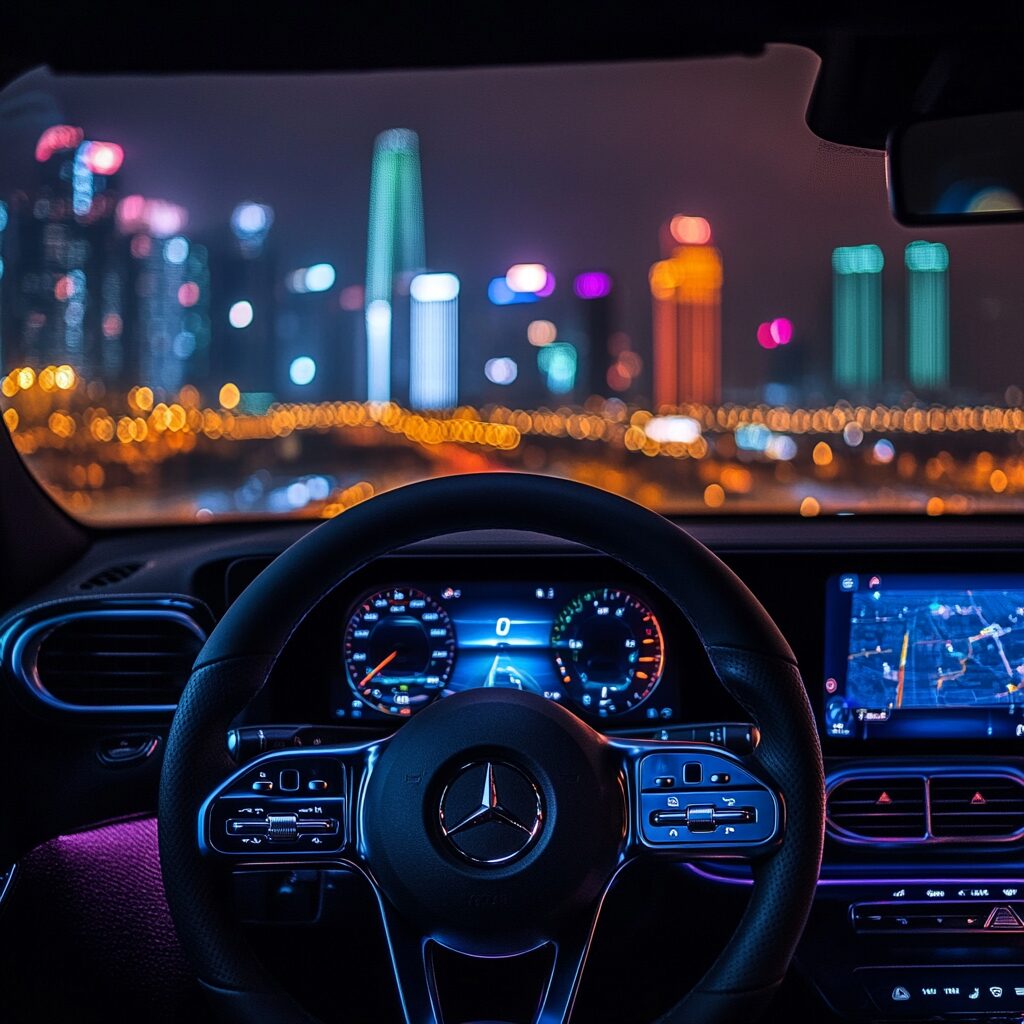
{"x": 230, "y": 296}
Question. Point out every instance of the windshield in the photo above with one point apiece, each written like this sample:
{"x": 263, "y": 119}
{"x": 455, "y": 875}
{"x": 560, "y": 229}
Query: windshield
{"x": 229, "y": 296}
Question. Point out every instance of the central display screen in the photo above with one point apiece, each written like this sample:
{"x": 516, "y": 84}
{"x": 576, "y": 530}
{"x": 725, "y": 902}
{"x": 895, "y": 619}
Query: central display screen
{"x": 924, "y": 657}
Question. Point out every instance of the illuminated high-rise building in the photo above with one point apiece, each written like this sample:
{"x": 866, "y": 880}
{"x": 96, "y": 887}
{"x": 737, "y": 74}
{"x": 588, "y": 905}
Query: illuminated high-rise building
{"x": 249, "y": 350}
{"x": 394, "y": 246}
{"x": 687, "y": 292}
{"x": 927, "y": 314}
{"x": 434, "y": 341}
{"x": 170, "y": 330}
{"x": 857, "y": 315}
{"x": 63, "y": 251}
{"x": 594, "y": 290}
{"x": 163, "y": 301}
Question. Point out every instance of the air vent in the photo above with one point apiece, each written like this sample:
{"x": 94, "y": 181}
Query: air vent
{"x": 123, "y": 659}
{"x": 110, "y": 576}
{"x": 976, "y": 806}
{"x": 882, "y": 808}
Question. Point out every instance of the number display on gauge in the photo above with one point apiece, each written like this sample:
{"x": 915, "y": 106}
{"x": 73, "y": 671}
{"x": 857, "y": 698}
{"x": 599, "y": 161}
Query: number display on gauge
{"x": 608, "y": 651}
{"x": 399, "y": 650}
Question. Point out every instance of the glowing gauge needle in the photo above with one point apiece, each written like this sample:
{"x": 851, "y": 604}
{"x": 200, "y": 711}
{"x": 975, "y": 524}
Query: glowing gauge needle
{"x": 373, "y": 671}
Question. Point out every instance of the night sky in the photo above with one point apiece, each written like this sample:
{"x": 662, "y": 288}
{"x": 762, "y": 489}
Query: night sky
{"x": 575, "y": 167}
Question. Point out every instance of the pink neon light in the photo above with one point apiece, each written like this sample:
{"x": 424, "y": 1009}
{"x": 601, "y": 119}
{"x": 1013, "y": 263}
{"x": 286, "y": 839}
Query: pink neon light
{"x": 765, "y": 338}
{"x": 103, "y": 157}
{"x": 56, "y": 138}
{"x": 781, "y": 330}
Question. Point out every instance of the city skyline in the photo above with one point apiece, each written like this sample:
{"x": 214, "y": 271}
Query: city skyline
{"x": 151, "y": 288}
{"x": 510, "y": 208}
{"x": 274, "y": 307}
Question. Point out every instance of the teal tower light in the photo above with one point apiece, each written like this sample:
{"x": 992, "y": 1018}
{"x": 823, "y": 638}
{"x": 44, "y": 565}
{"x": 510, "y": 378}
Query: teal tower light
{"x": 927, "y": 314}
{"x": 857, "y": 315}
{"x": 394, "y": 245}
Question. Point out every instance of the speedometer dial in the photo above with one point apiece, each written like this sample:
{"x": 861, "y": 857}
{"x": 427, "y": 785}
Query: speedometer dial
{"x": 608, "y": 651}
{"x": 399, "y": 650}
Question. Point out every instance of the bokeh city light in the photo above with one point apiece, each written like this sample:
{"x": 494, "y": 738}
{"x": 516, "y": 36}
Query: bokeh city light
{"x": 240, "y": 315}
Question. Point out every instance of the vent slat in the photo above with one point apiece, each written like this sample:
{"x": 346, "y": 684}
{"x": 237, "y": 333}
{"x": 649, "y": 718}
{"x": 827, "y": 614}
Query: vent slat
{"x": 109, "y": 661}
{"x": 975, "y": 806}
{"x": 879, "y": 808}
{"x": 964, "y": 808}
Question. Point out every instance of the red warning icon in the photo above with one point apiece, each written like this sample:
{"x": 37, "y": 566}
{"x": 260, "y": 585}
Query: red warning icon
{"x": 977, "y": 800}
{"x": 884, "y": 799}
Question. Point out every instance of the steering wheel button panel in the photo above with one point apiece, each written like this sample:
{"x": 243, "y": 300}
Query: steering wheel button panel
{"x": 680, "y": 770}
{"x": 239, "y": 820}
{"x": 742, "y": 817}
{"x": 740, "y": 811}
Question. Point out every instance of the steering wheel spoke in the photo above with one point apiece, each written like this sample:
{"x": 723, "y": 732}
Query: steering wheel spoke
{"x": 552, "y": 970}
{"x": 410, "y": 961}
{"x": 695, "y": 801}
{"x": 288, "y": 805}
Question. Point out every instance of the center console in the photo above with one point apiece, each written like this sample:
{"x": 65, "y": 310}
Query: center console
{"x": 920, "y": 908}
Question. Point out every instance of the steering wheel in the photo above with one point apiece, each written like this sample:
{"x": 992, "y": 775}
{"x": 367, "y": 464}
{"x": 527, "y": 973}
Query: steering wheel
{"x": 494, "y": 822}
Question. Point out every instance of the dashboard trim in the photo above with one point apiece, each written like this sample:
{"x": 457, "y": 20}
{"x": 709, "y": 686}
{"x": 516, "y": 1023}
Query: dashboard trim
{"x": 714, "y": 874}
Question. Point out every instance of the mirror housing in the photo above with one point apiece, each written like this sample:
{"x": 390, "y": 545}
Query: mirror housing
{"x": 958, "y": 170}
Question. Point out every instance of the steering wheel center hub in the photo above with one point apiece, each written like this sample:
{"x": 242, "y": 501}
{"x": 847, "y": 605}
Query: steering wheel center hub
{"x": 491, "y": 812}
{"x": 476, "y": 811}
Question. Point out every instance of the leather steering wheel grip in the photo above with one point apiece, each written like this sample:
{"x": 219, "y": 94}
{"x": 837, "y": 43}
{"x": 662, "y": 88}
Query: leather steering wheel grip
{"x": 748, "y": 653}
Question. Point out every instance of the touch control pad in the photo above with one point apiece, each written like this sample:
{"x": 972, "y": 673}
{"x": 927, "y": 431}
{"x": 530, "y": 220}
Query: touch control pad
{"x": 284, "y": 806}
{"x": 920, "y": 992}
{"x": 697, "y": 799}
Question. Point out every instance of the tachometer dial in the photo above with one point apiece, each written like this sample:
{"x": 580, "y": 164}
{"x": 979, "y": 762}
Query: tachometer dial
{"x": 399, "y": 650}
{"x": 608, "y": 651}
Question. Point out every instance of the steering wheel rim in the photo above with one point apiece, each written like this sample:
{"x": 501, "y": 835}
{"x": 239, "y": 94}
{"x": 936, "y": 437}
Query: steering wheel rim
{"x": 746, "y": 650}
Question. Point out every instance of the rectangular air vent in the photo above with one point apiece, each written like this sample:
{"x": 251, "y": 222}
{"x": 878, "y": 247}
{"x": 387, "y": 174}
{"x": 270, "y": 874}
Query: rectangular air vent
{"x": 879, "y": 808}
{"x": 117, "y": 659}
{"x": 108, "y": 577}
{"x": 976, "y": 806}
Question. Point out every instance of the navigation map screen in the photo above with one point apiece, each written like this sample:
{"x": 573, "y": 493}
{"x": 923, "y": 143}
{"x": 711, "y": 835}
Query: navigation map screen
{"x": 924, "y": 657}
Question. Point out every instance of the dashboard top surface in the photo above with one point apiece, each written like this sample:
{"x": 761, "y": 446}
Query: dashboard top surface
{"x": 170, "y": 557}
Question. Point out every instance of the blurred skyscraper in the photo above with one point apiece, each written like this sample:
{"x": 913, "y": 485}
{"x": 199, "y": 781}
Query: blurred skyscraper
{"x": 593, "y": 289}
{"x": 434, "y": 341}
{"x": 927, "y": 314}
{"x": 394, "y": 247}
{"x": 857, "y": 315}
{"x": 165, "y": 294}
{"x": 687, "y": 292}
{"x": 244, "y": 310}
{"x": 60, "y": 303}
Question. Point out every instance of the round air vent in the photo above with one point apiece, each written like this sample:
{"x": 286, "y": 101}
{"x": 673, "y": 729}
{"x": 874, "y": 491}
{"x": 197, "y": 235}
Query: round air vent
{"x": 107, "y": 654}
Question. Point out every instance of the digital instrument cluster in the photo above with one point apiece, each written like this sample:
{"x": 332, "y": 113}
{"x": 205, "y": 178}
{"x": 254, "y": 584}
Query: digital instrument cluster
{"x": 597, "y": 649}
{"x": 924, "y": 657}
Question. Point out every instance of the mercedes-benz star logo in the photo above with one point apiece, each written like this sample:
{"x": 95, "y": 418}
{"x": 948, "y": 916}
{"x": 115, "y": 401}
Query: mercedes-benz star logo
{"x": 491, "y": 812}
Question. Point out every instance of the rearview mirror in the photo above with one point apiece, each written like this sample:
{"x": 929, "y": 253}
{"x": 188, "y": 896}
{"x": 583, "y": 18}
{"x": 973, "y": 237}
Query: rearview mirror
{"x": 958, "y": 170}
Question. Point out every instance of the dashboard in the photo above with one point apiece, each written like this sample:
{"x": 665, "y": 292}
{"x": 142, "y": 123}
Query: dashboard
{"x": 912, "y": 653}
